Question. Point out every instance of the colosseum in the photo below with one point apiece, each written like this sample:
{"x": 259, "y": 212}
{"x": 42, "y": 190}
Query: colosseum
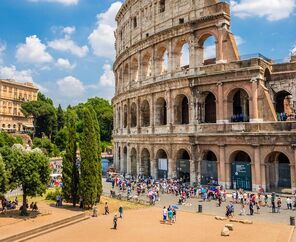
{"x": 228, "y": 119}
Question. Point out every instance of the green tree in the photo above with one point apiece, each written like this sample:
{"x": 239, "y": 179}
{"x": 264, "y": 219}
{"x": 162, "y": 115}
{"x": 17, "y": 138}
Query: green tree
{"x": 28, "y": 170}
{"x": 44, "y": 115}
{"x": 89, "y": 167}
{"x": 3, "y": 178}
{"x": 61, "y": 138}
{"x": 47, "y": 147}
{"x": 9, "y": 140}
{"x": 99, "y": 150}
{"x": 60, "y": 118}
{"x": 70, "y": 170}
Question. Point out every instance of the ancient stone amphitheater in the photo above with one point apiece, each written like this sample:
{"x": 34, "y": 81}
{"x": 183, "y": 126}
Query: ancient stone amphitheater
{"x": 228, "y": 119}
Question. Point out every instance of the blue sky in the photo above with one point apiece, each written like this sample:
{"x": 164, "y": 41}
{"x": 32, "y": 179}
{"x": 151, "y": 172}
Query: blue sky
{"x": 66, "y": 46}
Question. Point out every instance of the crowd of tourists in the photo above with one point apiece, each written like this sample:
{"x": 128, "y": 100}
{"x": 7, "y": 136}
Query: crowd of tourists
{"x": 13, "y": 204}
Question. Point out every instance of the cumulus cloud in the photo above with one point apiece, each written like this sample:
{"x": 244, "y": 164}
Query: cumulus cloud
{"x": 70, "y": 86}
{"x": 65, "y": 64}
{"x": 102, "y": 38}
{"x": 66, "y": 44}
{"x": 64, "y": 2}
{"x": 33, "y": 51}
{"x": 11, "y": 72}
{"x": 293, "y": 50}
{"x": 272, "y": 10}
{"x": 107, "y": 78}
{"x": 69, "y": 30}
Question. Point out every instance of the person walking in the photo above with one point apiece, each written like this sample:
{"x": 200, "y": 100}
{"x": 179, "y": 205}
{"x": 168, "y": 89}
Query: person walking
{"x": 289, "y": 203}
{"x": 174, "y": 215}
{"x": 170, "y": 215}
{"x": 106, "y": 208}
{"x": 164, "y": 214}
{"x": 279, "y": 204}
{"x": 120, "y": 210}
{"x": 273, "y": 202}
{"x": 115, "y": 222}
{"x": 242, "y": 210}
{"x": 251, "y": 207}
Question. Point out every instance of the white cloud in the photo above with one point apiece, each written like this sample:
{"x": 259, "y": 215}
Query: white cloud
{"x": 64, "y": 2}
{"x": 293, "y": 51}
{"x": 70, "y": 86}
{"x": 102, "y": 38}
{"x": 2, "y": 49}
{"x": 65, "y": 64}
{"x": 107, "y": 78}
{"x": 69, "y": 30}
{"x": 10, "y": 72}
{"x": 272, "y": 10}
{"x": 68, "y": 45}
{"x": 33, "y": 51}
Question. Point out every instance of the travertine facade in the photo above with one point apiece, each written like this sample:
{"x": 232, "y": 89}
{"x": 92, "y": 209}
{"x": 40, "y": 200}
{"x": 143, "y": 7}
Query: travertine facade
{"x": 12, "y": 95}
{"x": 210, "y": 119}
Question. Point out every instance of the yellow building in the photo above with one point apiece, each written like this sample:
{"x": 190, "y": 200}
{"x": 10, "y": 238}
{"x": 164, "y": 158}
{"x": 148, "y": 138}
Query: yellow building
{"x": 12, "y": 95}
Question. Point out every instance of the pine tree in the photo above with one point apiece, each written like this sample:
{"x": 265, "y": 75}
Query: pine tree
{"x": 89, "y": 176}
{"x": 60, "y": 118}
{"x": 99, "y": 150}
{"x": 70, "y": 170}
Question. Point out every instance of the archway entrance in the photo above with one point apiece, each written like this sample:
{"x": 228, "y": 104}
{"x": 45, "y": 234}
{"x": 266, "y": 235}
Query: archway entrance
{"x": 162, "y": 164}
{"x": 208, "y": 167}
{"x": 240, "y": 106}
{"x": 182, "y": 110}
{"x": 134, "y": 162}
{"x": 278, "y": 173}
{"x": 145, "y": 163}
{"x": 283, "y": 105}
{"x": 183, "y": 165}
{"x": 161, "y": 112}
{"x": 241, "y": 175}
{"x": 210, "y": 108}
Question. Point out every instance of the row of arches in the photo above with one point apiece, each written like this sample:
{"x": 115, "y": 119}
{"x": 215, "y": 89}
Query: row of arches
{"x": 277, "y": 167}
{"x": 159, "y": 61}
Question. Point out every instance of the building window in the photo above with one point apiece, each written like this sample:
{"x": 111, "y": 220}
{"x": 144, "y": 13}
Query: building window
{"x": 135, "y": 22}
{"x": 4, "y": 89}
{"x": 162, "y": 6}
{"x": 3, "y": 125}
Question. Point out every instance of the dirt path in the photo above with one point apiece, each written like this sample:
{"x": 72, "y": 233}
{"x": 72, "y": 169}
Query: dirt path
{"x": 144, "y": 225}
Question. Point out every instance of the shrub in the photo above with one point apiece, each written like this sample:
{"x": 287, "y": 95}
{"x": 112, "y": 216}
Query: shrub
{"x": 52, "y": 194}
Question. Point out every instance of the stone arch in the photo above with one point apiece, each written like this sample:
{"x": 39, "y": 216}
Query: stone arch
{"x": 238, "y": 105}
{"x": 183, "y": 165}
{"x": 208, "y": 168}
{"x": 162, "y": 163}
{"x": 241, "y": 172}
{"x": 283, "y": 104}
{"x": 161, "y": 65}
{"x": 135, "y": 69}
{"x": 118, "y": 117}
{"x": 207, "y": 49}
{"x": 181, "y": 110}
{"x": 210, "y": 115}
{"x": 278, "y": 172}
{"x": 133, "y": 115}
{"x": 161, "y": 112}
{"x": 182, "y": 54}
{"x": 145, "y": 114}
{"x": 126, "y": 75}
{"x": 133, "y": 162}
{"x": 145, "y": 163}
{"x": 125, "y": 116}
{"x": 147, "y": 65}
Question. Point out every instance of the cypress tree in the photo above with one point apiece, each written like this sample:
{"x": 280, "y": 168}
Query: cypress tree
{"x": 70, "y": 170}
{"x": 89, "y": 176}
{"x": 60, "y": 118}
{"x": 99, "y": 150}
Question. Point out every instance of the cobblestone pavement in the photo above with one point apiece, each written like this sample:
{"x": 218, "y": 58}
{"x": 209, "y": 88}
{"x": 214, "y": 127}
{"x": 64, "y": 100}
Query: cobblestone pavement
{"x": 212, "y": 208}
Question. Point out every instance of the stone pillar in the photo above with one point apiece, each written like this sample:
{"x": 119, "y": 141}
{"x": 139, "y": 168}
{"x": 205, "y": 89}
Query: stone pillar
{"x": 227, "y": 174}
{"x": 293, "y": 169}
{"x": 128, "y": 116}
{"x": 192, "y": 51}
{"x": 153, "y": 71}
{"x": 139, "y": 120}
{"x": 129, "y": 163}
{"x": 257, "y": 167}
{"x": 263, "y": 175}
{"x": 170, "y": 57}
{"x": 219, "y": 107}
{"x": 199, "y": 51}
{"x": 192, "y": 172}
{"x": 170, "y": 109}
{"x": 219, "y": 46}
{"x": 153, "y": 168}
{"x": 254, "y": 114}
{"x": 221, "y": 162}
{"x": 152, "y": 113}
{"x": 122, "y": 159}
{"x": 138, "y": 160}
{"x": 171, "y": 168}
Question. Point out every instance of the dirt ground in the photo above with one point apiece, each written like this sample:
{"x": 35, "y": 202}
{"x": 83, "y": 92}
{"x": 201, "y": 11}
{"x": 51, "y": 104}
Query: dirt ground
{"x": 141, "y": 225}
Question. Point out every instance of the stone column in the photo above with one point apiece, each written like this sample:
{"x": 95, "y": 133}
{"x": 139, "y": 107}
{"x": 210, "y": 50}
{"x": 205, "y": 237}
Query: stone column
{"x": 222, "y": 172}
{"x": 219, "y": 107}
{"x": 263, "y": 174}
{"x": 122, "y": 159}
{"x": 153, "y": 168}
{"x": 128, "y": 116}
{"x": 219, "y": 46}
{"x": 257, "y": 167}
{"x": 152, "y": 113}
{"x": 192, "y": 172}
{"x": 129, "y": 168}
{"x": 171, "y": 168}
{"x": 138, "y": 160}
{"x": 139, "y": 120}
{"x": 254, "y": 114}
{"x": 170, "y": 57}
{"x": 293, "y": 169}
{"x": 192, "y": 50}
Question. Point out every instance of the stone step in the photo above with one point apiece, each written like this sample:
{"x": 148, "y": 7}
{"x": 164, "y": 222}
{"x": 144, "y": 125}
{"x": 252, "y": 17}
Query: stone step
{"x": 46, "y": 227}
